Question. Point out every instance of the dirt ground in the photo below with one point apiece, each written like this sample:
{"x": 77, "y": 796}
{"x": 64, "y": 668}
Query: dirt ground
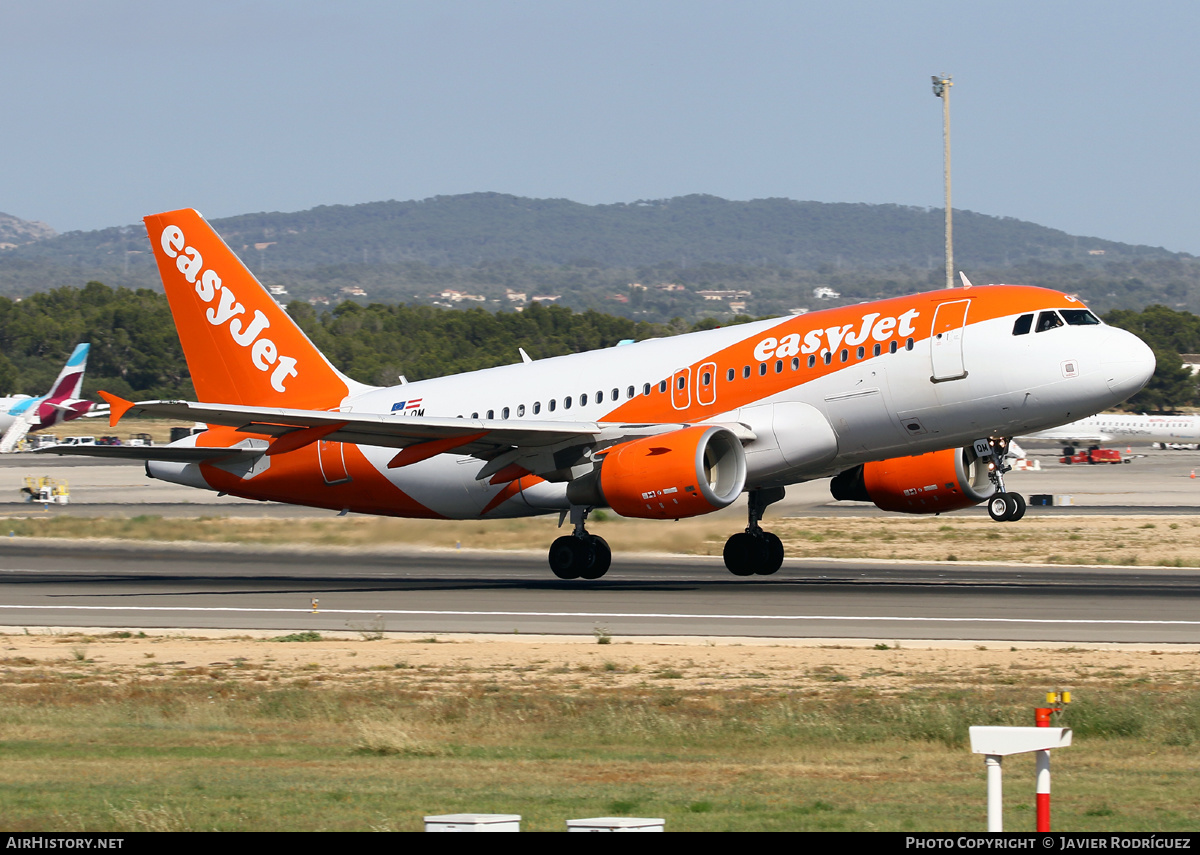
{"x": 749, "y": 665}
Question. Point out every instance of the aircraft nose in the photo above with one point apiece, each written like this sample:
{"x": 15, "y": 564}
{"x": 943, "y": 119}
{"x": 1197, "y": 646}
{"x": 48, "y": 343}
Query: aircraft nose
{"x": 1128, "y": 363}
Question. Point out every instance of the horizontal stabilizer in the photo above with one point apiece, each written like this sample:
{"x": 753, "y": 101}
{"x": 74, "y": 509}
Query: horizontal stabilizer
{"x": 167, "y": 453}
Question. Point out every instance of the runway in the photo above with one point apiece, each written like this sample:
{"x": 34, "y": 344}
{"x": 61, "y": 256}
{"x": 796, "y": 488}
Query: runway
{"x": 47, "y": 583}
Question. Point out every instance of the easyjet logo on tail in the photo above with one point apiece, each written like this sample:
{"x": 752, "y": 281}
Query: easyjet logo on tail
{"x": 227, "y": 311}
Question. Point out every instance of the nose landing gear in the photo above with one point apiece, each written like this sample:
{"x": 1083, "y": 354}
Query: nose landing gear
{"x": 580, "y": 555}
{"x": 1002, "y": 506}
{"x": 754, "y": 551}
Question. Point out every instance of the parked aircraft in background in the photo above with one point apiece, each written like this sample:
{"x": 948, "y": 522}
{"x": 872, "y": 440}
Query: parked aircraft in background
{"x": 1123, "y": 427}
{"x": 906, "y": 402}
{"x": 22, "y": 414}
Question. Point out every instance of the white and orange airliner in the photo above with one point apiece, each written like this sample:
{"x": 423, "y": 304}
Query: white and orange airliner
{"x": 907, "y": 402}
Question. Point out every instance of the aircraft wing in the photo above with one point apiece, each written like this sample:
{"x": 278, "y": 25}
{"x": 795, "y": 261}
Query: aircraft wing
{"x": 536, "y": 447}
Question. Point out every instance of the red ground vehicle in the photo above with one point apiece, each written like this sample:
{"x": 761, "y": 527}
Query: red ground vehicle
{"x": 1094, "y": 455}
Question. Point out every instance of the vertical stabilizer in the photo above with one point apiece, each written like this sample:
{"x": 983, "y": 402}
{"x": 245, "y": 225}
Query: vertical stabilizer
{"x": 241, "y": 346}
{"x": 70, "y": 379}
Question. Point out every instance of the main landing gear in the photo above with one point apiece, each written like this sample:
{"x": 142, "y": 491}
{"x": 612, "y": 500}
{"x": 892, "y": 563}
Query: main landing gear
{"x": 580, "y": 555}
{"x": 1002, "y": 506}
{"x": 754, "y": 551}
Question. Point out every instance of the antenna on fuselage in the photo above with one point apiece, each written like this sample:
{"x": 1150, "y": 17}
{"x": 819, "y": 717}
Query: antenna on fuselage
{"x": 965, "y": 281}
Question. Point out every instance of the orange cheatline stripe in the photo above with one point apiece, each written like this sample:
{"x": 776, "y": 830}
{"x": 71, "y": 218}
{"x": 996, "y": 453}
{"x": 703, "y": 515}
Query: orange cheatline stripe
{"x": 432, "y": 448}
{"x": 117, "y": 407}
{"x": 300, "y": 438}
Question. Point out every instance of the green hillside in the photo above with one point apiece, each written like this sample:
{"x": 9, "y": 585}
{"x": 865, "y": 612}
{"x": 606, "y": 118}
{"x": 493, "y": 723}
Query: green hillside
{"x": 496, "y": 247}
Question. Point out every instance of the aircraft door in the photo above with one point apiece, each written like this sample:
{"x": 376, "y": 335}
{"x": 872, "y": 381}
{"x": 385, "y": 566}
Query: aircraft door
{"x": 681, "y": 394}
{"x": 706, "y": 384}
{"x": 946, "y": 341}
{"x": 332, "y": 458}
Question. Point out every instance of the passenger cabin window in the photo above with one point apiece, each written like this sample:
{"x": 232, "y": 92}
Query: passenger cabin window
{"x": 662, "y": 386}
{"x": 1023, "y": 325}
{"x": 583, "y": 400}
{"x": 567, "y": 402}
{"x": 537, "y": 407}
{"x": 730, "y": 375}
{"x": 504, "y": 413}
{"x": 491, "y": 414}
{"x": 553, "y": 404}
{"x": 520, "y": 410}
{"x": 1048, "y": 321}
{"x": 646, "y": 389}
{"x": 1079, "y": 317}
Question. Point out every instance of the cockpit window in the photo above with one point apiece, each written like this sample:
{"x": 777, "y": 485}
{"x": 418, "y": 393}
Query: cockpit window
{"x": 1048, "y": 321}
{"x": 1023, "y": 325}
{"x": 1079, "y": 317}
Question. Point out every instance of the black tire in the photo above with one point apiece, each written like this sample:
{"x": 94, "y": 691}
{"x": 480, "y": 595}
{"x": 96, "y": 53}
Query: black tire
{"x": 998, "y": 507}
{"x": 1017, "y": 507}
{"x": 566, "y": 558}
{"x": 774, "y": 555}
{"x": 601, "y": 558}
{"x": 739, "y": 554}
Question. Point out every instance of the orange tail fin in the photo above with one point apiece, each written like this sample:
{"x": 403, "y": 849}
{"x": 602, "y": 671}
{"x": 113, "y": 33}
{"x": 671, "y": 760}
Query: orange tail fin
{"x": 241, "y": 346}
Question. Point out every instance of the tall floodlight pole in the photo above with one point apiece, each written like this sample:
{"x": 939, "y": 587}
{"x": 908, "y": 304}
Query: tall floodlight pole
{"x": 941, "y": 89}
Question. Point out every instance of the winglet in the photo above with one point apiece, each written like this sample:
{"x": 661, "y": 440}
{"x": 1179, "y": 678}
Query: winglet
{"x": 117, "y": 407}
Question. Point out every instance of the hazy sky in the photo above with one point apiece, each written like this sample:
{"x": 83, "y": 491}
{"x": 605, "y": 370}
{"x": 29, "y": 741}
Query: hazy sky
{"x": 1077, "y": 115}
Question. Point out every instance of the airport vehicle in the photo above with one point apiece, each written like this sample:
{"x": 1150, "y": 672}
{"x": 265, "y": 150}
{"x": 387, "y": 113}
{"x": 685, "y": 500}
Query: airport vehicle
{"x": 21, "y": 414}
{"x": 1124, "y": 427}
{"x": 1094, "y": 455}
{"x": 907, "y": 402}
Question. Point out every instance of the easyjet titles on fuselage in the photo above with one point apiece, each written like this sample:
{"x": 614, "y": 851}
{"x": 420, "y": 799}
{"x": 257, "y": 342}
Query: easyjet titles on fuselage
{"x": 263, "y": 351}
{"x": 871, "y": 326}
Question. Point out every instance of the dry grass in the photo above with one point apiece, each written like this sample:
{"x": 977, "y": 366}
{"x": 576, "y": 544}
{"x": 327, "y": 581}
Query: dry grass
{"x": 1170, "y": 541}
{"x": 168, "y": 732}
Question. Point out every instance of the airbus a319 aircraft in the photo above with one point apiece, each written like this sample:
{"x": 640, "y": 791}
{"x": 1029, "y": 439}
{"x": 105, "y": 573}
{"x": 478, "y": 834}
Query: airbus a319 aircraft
{"x": 907, "y": 402}
{"x": 22, "y": 414}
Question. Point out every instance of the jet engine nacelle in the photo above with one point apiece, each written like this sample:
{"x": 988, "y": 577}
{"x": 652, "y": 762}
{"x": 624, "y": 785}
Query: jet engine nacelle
{"x": 683, "y": 473}
{"x": 925, "y": 484}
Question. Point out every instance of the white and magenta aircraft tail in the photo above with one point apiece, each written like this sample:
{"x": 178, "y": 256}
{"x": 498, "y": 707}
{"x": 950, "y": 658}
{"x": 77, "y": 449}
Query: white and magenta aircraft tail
{"x": 22, "y": 414}
{"x": 908, "y": 403}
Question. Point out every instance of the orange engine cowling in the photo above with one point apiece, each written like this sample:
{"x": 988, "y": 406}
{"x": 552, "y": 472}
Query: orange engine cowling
{"x": 926, "y": 484}
{"x": 679, "y": 474}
